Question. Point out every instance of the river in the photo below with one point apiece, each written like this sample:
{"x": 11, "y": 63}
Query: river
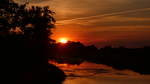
{"x": 91, "y": 73}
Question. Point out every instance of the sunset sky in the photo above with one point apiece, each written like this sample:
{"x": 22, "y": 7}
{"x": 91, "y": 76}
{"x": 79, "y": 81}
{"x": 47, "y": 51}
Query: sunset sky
{"x": 101, "y": 22}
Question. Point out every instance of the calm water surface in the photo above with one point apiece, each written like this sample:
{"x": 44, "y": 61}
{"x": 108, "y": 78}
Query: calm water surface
{"x": 90, "y": 73}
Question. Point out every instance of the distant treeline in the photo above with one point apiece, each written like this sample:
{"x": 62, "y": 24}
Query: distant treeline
{"x": 136, "y": 59}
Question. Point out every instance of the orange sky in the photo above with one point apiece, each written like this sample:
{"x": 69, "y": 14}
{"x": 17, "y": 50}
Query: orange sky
{"x": 101, "y": 22}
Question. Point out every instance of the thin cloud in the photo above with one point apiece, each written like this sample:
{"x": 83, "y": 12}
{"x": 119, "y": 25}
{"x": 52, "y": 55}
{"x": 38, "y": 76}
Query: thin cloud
{"x": 105, "y": 15}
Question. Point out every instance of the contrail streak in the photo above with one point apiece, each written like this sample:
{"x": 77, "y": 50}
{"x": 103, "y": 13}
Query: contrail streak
{"x": 105, "y": 15}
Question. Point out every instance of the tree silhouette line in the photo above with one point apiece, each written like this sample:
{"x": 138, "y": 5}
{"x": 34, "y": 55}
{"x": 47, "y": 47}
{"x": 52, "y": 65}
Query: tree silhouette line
{"x": 25, "y": 48}
{"x": 136, "y": 59}
{"x": 24, "y": 44}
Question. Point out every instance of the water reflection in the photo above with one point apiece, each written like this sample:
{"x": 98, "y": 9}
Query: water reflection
{"x": 90, "y": 73}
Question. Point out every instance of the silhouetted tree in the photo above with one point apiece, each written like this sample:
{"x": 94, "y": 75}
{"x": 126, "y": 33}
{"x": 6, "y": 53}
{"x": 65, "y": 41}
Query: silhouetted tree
{"x": 4, "y": 3}
{"x": 24, "y": 42}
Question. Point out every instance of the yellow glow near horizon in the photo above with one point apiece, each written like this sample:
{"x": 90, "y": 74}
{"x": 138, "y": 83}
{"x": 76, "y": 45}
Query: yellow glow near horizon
{"x": 63, "y": 40}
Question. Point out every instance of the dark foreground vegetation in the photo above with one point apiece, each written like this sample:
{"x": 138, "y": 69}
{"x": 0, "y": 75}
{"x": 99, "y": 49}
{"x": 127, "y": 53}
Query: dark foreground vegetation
{"x": 24, "y": 44}
{"x": 136, "y": 59}
{"x": 25, "y": 48}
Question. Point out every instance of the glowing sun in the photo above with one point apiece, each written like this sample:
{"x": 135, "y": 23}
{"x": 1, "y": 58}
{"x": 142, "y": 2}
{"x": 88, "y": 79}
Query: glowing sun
{"x": 63, "y": 40}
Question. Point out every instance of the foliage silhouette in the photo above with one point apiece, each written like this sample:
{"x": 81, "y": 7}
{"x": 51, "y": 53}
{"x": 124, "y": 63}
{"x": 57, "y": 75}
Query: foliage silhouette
{"x": 24, "y": 44}
{"x": 136, "y": 59}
